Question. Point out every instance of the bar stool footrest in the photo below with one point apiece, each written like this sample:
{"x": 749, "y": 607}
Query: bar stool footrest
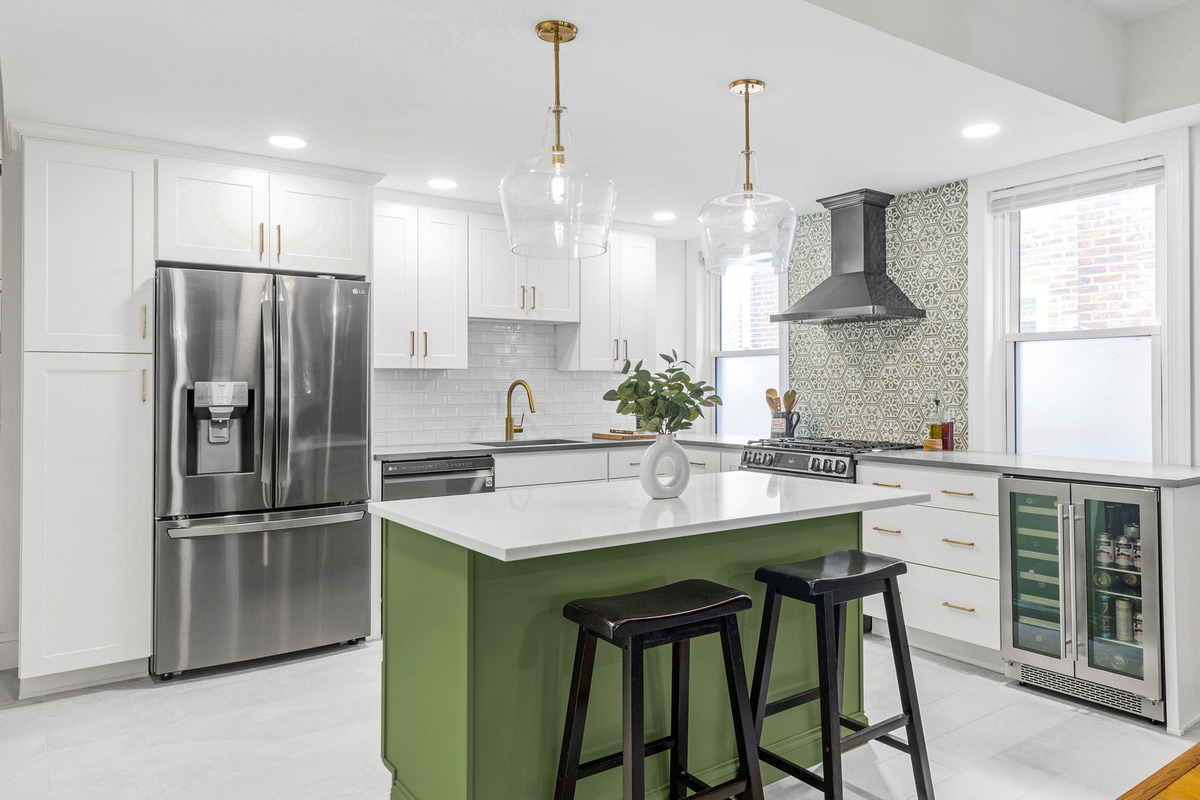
{"x": 721, "y": 791}
{"x": 799, "y": 699}
{"x": 791, "y": 768}
{"x": 614, "y": 760}
{"x": 877, "y": 732}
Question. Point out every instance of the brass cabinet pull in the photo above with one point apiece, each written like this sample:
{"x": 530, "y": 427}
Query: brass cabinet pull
{"x": 144, "y": 389}
{"x": 262, "y": 238}
{"x": 616, "y": 349}
{"x": 278, "y": 240}
{"x": 522, "y": 295}
{"x": 959, "y": 608}
{"x": 145, "y": 316}
{"x": 626, "y": 349}
{"x": 534, "y": 298}
{"x": 958, "y": 494}
{"x": 412, "y": 343}
{"x": 885, "y": 530}
{"x": 956, "y": 541}
{"x": 426, "y": 353}
{"x": 888, "y": 485}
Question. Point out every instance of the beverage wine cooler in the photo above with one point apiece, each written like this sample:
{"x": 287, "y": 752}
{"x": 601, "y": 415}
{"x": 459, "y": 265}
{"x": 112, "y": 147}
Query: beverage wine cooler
{"x": 1081, "y": 608}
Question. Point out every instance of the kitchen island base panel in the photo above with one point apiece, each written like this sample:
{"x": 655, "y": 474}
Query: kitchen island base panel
{"x": 478, "y": 658}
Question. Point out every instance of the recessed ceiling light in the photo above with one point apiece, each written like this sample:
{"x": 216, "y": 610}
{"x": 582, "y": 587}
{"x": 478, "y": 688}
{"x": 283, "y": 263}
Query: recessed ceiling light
{"x": 287, "y": 142}
{"x": 981, "y": 130}
{"x": 664, "y": 216}
{"x": 443, "y": 183}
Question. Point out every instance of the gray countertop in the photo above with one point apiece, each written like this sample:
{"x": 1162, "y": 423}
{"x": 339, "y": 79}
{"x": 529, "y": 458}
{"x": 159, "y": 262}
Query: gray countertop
{"x": 467, "y": 449}
{"x": 1135, "y": 473}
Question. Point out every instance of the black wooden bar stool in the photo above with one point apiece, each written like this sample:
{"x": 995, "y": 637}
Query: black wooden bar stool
{"x": 673, "y": 614}
{"x": 829, "y": 583}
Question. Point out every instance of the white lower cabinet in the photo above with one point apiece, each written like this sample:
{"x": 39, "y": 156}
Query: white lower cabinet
{"x": 87, "y": 516}
{"x": 529, "y": 469}
{"x": 961, "y": 607}
{"x": 627, "y": 462}
{"x": 952, "y": 548}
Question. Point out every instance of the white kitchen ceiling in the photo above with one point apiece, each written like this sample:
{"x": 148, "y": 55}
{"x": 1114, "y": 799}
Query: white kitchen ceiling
{"x": 404, "y": 89}
{"x": 1133, "y": 9}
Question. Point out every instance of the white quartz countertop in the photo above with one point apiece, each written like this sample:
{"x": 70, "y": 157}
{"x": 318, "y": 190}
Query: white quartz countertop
{"x": 1042, "y": 466}
{"x": 536, "y": 521}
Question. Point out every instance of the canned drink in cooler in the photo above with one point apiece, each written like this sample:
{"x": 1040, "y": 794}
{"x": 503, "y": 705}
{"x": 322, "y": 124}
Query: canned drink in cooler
{"x": 1104, "y": 616}
{"x": 1139, "y": 634}
{"x": 1124, "y": 620}
{"x": 1105, "y": 555}
{"x": 1123, "y": 553}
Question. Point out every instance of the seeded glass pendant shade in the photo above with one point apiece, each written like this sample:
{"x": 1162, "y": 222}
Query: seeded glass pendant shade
{"x": 747, "y": 227}
{"x": 557, "y": 203}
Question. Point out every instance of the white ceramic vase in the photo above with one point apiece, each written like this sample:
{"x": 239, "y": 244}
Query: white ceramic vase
{"x": 665, "y": 470}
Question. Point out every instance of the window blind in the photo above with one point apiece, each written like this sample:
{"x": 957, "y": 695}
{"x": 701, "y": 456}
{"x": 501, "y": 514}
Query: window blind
{"x": 1146, "y": 172}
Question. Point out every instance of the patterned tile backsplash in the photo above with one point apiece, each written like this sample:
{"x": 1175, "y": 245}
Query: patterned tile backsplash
{"x": 467, "y": 405}
{"x": 875, "y": 380}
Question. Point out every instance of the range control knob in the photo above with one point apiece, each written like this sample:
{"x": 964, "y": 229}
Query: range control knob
{"x": 815, "y": 464}
{"x": 828, "y": 467}
{"x": 842, "y": 466}
{"x": 768, "y": 459}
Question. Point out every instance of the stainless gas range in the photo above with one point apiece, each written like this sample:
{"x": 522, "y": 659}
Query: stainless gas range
{"x": 827, "y": 459}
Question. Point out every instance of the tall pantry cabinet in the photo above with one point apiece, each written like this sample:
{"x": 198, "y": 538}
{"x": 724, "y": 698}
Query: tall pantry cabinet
{"x": 84, "y": 428}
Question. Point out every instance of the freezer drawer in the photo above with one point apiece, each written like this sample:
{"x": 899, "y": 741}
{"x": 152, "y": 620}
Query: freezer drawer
{"x": 239, "y": 587}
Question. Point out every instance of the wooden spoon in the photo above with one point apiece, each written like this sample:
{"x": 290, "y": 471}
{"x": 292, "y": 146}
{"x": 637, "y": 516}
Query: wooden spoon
{"x": 789, "y": 399}
{"x": 773, "y": 399}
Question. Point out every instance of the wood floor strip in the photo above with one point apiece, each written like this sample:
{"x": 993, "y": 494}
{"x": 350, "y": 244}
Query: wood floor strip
{"x": 1179, "y": 780}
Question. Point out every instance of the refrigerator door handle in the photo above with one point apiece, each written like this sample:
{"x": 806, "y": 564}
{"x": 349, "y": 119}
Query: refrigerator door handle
{"x": 268, "y": 402}
{"x": 228, "y": 528}
{"x": 283, "y": 314}
{"x": 1066, "y": 603}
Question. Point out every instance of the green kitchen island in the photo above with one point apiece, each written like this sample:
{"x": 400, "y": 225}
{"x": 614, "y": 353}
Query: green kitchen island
{"x": 477, "y": 655}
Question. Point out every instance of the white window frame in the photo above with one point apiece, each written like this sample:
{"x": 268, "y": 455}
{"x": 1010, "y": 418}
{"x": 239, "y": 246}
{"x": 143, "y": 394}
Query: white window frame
{"x": 991, "y": 293}
{"x": 711, "y": 333}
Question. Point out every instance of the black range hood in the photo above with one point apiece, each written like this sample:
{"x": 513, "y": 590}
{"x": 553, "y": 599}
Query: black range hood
{"x": 859, "y": 288}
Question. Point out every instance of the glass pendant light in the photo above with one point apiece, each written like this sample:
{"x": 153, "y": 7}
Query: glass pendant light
{"x": 557, "y": 203}
{"x": 747, "y": 227}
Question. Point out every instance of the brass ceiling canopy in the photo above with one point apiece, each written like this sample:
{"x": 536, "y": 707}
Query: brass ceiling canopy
{"x": 556, "y": 31}
{"x": 747, "y": 86}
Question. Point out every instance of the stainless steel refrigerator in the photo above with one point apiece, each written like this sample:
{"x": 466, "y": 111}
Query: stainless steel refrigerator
{"x": 1081, "y": 593}
{"x": 262, "y": 541}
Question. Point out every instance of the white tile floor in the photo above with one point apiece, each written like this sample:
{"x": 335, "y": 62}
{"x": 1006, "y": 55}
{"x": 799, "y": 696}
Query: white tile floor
{"x": 308, "y": 729}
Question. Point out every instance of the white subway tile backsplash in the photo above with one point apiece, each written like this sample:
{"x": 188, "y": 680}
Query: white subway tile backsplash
{"x": 417, "y": 407}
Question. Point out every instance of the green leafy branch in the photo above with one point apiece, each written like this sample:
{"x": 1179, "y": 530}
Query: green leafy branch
{"x": 663, "y": 402}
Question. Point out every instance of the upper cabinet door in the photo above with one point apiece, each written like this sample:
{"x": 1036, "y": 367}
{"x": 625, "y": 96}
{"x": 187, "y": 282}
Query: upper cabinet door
{"x": 498, "y": 288}
{"x": 636, "y": 263}
{"x": 442, "y": 290}
{"x": 598, "y": 338}
{"x": 213, "y": 214}
{"x": 89, "y": 249}
{"x": 317, "y": 225}
{"x": 554, "y": 296}
{"x": 395, "y": 280}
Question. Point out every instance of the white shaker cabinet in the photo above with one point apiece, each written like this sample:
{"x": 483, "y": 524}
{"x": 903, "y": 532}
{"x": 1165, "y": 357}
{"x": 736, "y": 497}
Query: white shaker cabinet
{"x": 616, "y": 313}
{"x": 86, "y": 543}
{"x": 88, "y": 248}
{"x": 420, "y": 287}
{"x": 210, "y": 213}
{"x": 507, "y": 286}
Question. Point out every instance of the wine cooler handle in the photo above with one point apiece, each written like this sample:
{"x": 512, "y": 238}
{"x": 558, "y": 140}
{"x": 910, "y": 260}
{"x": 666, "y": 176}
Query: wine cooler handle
{"x": 1078, "y": 557}
{"x": 1066, "y": 581}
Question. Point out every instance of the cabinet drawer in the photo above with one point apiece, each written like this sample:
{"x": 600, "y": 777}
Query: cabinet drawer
{"x": 529, "y": 469}
{"x": 935, "y": 537}
{"x": 955, "y": 489}
{"x": 625, "y": 462}
{"x": 962, "y": 607}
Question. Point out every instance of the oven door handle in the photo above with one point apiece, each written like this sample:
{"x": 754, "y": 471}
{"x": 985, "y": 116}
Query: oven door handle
{"x": 228, "y": 528}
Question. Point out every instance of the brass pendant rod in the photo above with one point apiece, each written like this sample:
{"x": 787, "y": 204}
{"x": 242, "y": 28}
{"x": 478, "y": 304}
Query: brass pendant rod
{"x": 747, "y": 186}
{"x": 558, "y": 148}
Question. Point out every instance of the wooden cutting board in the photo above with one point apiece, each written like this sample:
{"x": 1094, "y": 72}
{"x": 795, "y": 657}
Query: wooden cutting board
{"x": 623, "y": 436}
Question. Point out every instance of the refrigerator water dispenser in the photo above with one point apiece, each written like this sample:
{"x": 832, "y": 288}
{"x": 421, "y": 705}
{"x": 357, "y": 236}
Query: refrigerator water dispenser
{"x": 219, "y": 440}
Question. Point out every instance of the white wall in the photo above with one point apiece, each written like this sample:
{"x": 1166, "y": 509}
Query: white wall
{"x": 1162, "y": 61}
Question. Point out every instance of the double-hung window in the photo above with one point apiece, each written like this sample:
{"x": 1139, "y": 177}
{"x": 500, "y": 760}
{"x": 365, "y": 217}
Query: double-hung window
{"x": 1085, "y": 325}
{"x": 745, "y": 347}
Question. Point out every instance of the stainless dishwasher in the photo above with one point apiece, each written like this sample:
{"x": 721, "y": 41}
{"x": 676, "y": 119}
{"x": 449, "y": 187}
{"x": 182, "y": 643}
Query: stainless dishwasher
{"x": 438, "y": 477}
